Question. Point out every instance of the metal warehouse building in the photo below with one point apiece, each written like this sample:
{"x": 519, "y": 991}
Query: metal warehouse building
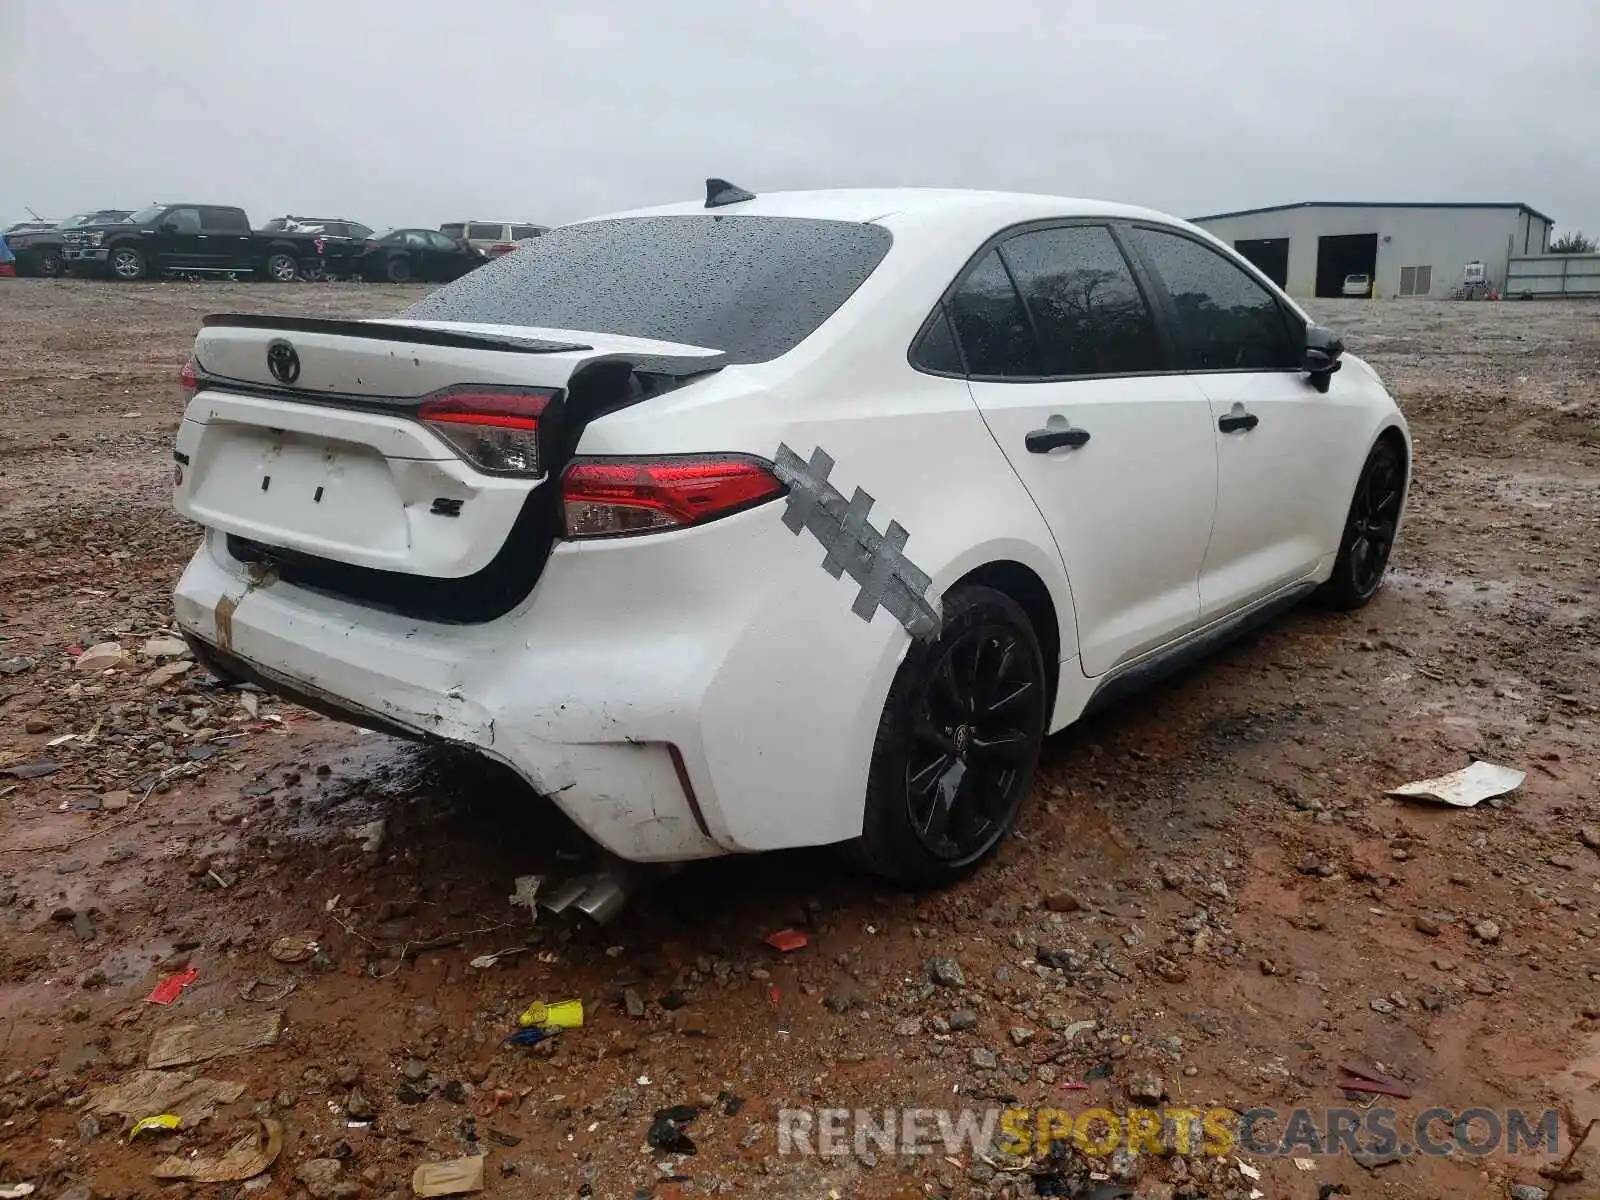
{"x": 1407, "y": 249}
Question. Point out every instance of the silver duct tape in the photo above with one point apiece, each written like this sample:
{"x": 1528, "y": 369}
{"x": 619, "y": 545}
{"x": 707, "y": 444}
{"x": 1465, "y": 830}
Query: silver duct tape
{"x": 874, "y": 560}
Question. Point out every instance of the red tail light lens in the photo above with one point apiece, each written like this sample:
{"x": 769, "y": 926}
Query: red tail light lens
{"x": 612, "y": 498}
{"x": 188, "y": 376}
{"x": 494, "y": 429}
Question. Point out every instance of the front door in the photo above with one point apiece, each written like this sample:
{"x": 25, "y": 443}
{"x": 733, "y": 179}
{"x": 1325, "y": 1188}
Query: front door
{"x": 180, "y": 242}
{"x": 1284, "y": 450}
{"x": 1117, "y": 450}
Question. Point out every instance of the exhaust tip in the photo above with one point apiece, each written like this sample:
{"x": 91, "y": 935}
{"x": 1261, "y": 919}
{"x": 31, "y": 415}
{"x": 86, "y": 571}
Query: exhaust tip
{"x": 604, "y": 898}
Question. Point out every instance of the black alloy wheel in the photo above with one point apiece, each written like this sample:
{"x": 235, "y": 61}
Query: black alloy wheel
{"x": 957, "y": 744}
{"x": 1369, "y": 531}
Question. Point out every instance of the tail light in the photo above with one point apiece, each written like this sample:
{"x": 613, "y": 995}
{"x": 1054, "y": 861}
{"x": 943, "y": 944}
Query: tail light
{"x": 500, "y": 248}
{"x": 611, "y": 497}
{"x": 188, "y": 377}
{"x": 494, "y": 429}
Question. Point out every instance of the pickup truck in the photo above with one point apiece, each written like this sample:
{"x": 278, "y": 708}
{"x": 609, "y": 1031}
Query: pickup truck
{"x": 198, "y": 239}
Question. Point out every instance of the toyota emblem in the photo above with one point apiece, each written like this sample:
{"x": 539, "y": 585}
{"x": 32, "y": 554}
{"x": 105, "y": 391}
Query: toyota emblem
{"x": 283, "y": 360}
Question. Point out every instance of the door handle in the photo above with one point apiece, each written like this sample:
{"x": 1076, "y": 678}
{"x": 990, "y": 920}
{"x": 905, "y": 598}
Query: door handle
{"x": 1042, "y": 441}
{"x": 1239, "y": 422}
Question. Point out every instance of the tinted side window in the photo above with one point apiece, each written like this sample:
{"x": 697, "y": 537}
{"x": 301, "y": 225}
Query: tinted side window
{"x": 440, "y": 242}
{"x": 1088, "y": 311}
{"x": 186, "y": 219}
{"x": 416, "y": 239}
{"x": 522, "y": 233}
{"x": 936, "y": 348}
{"x": 453, "y": 231}
{"x": 224, "y": 220}
{"x": 994, "y": 331}
{"x": 1229, "y": 321}
{"x": 752, "y": 286}
{"x": 486, "y": 233}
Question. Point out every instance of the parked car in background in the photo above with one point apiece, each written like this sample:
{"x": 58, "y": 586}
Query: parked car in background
{"x": 494, "y": 238}
{"x": 39, "y": 251}
{"x": 7, "y": 259}
{"x": 197, "y": 239}
{"x": 1357, "y": 285}
{"x": 749, "y": 523}
{"x": 423, "y": 255}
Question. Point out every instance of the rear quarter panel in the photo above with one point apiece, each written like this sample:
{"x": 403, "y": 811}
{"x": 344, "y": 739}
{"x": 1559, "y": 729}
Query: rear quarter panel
{"x": 790, "y": 713}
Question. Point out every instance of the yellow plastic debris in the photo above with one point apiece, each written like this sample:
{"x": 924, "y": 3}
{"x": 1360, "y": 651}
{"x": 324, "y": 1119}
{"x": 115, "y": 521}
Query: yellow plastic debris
{"x": 159, "y": 1121}
{"x": 566, "y": 1014}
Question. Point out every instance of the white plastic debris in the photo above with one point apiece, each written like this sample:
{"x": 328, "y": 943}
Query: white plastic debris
{"x": 1466, "y": 787}
{"x": 526, "y": 894}
{"x": 15, "y": 1191}
{"x": 1248, "y": 1171}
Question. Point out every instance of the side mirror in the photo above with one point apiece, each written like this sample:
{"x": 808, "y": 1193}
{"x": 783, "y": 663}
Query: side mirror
{"x": 169, "y": 227}
{"x": 1324, "y": 348}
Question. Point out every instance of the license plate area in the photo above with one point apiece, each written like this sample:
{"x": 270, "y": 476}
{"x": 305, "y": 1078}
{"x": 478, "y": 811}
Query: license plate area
{"x": 300, "y": 489}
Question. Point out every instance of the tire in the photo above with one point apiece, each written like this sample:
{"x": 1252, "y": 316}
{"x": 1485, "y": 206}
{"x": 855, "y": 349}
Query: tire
{"x": 282, "y": 267}
{"x": 398, "y": 270}
{"x": 50, "y": 263}
{"x": 127, "y": 263}
{"x": 944, "y": 789}
{"x": 1369, "y": 531}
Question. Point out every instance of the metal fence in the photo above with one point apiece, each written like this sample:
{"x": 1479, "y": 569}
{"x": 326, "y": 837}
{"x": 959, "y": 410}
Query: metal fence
{"x": 1548, "y": 275}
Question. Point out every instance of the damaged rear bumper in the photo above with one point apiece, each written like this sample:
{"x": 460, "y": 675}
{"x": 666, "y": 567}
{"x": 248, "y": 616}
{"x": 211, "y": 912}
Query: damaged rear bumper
{"x": 630, "y": 794}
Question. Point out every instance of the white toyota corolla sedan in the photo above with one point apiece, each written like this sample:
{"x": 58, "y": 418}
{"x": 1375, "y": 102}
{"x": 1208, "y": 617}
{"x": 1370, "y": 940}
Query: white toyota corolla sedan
{"x": 782, "y": 520}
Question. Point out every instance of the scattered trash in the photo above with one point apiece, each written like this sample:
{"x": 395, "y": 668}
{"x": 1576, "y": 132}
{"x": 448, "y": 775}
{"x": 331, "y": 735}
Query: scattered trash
{"x": 528, "y": 1037}
{"x": 62, "y": 740}
{"x": 785, "y": 940}
{"x": 372, "y": 834}
{"x": 666, "y": 1130}
{"x": 176, "y": 1092}
{"x": 1466, "y": 787}
{"x": 1305, "y": 1164}
{"x": 15, "y": 1191}
{"x": 16, "y": 666}
{"x": 32, "y": 770}
{"x": 246, "y": 1158}
{"x": 452, "y": 1178}
{"x": 780, "y": 1018}
{"x": 1245, "y": 1169}
{"x": 1073, "y": 1085}
{"x": 251, "y": 703}
{"x": 170, "y": 988}
{"x": 293, "y": 949}
{"x": 276, "y": 990}
{"x": 1358, "y": 1077}
{"x": 161, "y": 1121}
{"x": 526, "y": 894}
{"x": 484, "y": 961}
{"x": 1077, "y": 1027}
{"x": 183, "y": 1044}
{"x": 566, "y": 1014}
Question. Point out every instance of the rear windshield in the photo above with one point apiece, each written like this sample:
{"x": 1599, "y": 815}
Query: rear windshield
{"x": 753, "y": 287}
{"x": 485, "y": 233}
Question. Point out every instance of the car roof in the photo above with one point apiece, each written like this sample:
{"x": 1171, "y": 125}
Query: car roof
{"x": 876, "y": 204}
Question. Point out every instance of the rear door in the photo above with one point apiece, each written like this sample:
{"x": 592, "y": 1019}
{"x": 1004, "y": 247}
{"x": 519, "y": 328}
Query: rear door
{"x": 1067, "y": 364}
{"x": 1284, "y": 451}
{"x": 226, "y": 240}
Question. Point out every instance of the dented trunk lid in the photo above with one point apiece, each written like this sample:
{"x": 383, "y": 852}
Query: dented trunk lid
{"x": 301, "y": 443}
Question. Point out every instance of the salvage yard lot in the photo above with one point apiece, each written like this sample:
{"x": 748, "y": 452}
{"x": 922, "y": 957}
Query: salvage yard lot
{"x": 1214, "y": 867}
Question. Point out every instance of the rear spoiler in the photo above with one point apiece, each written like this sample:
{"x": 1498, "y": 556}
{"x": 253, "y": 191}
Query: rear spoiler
{"x": 385, "y": 332}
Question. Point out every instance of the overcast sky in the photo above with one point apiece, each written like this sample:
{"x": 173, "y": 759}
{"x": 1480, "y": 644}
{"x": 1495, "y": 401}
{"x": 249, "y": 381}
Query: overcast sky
{"x": 422, "y": 111}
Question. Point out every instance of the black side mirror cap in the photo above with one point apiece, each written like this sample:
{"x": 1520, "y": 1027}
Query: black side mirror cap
{"x": 1324, "y": 349}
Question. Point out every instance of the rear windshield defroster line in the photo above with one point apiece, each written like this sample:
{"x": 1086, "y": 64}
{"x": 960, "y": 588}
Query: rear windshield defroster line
{"x": 752, "y": 286}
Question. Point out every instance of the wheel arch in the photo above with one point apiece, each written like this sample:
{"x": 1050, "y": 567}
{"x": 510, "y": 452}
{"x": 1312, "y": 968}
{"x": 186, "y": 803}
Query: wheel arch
{"x": 1026, "y": 586}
